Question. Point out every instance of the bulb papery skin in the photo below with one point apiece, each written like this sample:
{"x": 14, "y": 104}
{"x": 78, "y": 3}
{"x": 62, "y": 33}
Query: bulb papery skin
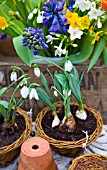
{"x": 81, "y": 114}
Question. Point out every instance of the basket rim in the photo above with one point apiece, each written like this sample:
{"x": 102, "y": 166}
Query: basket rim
{"x": 69, "y": 143}
{"x": 28, "y": 129}
{"x": 94, "y": 155}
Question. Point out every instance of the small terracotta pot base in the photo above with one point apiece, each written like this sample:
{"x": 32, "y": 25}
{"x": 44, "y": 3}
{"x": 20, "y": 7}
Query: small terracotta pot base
{"x": 36, "y": 155}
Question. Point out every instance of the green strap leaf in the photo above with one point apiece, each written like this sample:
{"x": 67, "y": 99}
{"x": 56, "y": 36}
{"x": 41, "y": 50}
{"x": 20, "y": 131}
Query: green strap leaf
{"x": 61, "y": 78}
{"x": 3, "y": 90}
{"x": 3, "y": 111}
{"x": 104, "y": 56}
{"x": 4, "y": 103}
{"x": 44, "y": 83}
{"x": 97, "y": 52}
{"x": 44, "y": 97}
{"x": 24, "y": 53}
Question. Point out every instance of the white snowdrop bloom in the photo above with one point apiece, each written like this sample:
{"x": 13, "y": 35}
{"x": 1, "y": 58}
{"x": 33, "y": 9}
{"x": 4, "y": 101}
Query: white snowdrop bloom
{"x": 99, "y": 24}
{"x": 81, "y": 114}
{"x": 55, "y": 93}
{"x": 95, "y": 13}
{"x": 49, "y": 39}
{"x": 68, "y": 66}
{"x": 13, "y": 76}
{"x": 33, "y": 94}
{"x": 55, "y": 122}
{"x": 84, "y": 5}
{"x": 58, "y": 50}
{"x": 35, "y": 11}
{"x": 40, "y": 18}
{"x": 75, "y": 33}
{"x": 30, "y": 16}
{"x": 24, "y": 92}
{"x": 69, "y": 93}
{"x": 24, "y": 82}
{"x": 37, "y": 72}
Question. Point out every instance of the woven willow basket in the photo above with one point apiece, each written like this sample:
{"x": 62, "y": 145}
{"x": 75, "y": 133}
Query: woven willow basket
{"x": 101, "y": 163}
{"x": 69, "y": 148}
{"x": 10, "y": 152}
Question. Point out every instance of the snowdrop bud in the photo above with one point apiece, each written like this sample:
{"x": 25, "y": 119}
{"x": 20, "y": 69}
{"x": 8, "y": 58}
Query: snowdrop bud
{"x": 24, "y": 92}
{"x": 81, "y": 114}
{"x": 33, "y": 94}
{"x": 40, "y": 19}
{"x": 49, "y": 39}
{"x": 35, "y": 11}
{"x": 30, "y": 16}
{"x": 99, "y": 24}
{"x": 55, "y": 122}
{"x": 69, "y": 93}
{"x": 13, "y": 76}
{"x": 68, "y": 66}
{"x": 37, "y": 71}
{"x": 55, "y": 93}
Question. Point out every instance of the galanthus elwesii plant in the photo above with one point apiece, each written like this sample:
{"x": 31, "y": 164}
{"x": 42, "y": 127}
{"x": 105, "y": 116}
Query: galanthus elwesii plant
{"x": 50, "y": 28}
{"x": 66, "y": 83}
{"x": 9, "y": 109}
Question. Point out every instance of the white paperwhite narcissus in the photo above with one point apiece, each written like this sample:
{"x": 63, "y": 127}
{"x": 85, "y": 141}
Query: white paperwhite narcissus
{"x": 81, "y": 114}
{"x": 55, "y": 122}
{"x": 13, "y": 76}
{"x": 95, "y": 13}
{"x": 84, "y": 5}
{"x": 30, "y": 16}
{"x": 24, "y": 92}
{"x": 75, "y": 33}
{"x": 55, "y": 93}
{"x": 33, "y": 94}
{"x": 37, "y": 71}
{"x": 49, "y": 39}
{"x": 58, "y": 51}
{"x": 68, "y": 66}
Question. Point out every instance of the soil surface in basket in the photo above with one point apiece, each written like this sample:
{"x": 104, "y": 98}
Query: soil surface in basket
{"x": 89, "y": 125}
{"x": 8, "y": 137}
{"x": 91, "y": 163}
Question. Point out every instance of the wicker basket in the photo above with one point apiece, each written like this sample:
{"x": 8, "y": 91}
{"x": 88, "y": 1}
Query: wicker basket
{"x": 69, "y": 148}
{"x": 98, "y": 162}
{"x": 10, "y": 152}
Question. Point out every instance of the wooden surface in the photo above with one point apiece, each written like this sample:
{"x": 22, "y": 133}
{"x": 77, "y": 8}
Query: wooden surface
{"x": 93, "y": 86}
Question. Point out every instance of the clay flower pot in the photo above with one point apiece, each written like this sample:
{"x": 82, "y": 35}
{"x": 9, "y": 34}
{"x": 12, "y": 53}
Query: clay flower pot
{"x": 36, "y": 155}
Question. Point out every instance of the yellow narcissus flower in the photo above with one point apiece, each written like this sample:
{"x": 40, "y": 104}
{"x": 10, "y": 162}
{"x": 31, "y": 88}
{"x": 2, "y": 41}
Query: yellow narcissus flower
{"x": 3, "y": 23}
{"x": 83, "y": 22}
{"x": 72, "y": 18}
{"x": 97, "y": 37}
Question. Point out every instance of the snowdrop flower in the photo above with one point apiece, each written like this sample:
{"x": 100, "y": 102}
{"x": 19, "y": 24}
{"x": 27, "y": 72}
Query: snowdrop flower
{"x": 58, "y": 50}
{"x": 55, "y": 122}
{"x": 55, "y": 93}
{"x": 99, "y": 24}
{"x": 33, "y": 94}
{"x": 35, "y": 11}
{"x": 84, "y": 5}
{"x": 69, "y": 93}
{"x": 30, "y": 16}
{"x": 81, "y": 114}
{"x": 75, "y": 33}
{"x": 24, "y": 92}
{"x": 24, "y": 82}
{"x": 95, "y": 13}
{"x": 36, "y": 71}
{"x": 68, "y": 66}
{"x": 13, "y": 76}
{"x": 29, "y": 113}
{"x": 49, "y": 39}
{"x": 40, "y": 18}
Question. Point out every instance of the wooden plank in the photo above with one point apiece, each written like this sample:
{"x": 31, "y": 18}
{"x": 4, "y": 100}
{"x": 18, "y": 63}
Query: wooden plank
{"x": 93, "y": 85}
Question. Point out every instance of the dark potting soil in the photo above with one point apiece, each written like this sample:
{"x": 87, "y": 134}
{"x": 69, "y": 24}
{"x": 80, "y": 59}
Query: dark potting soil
{"x": 9, "y": 138}
{"x": 91, "y": 163}
{"x": 89, "y": 125}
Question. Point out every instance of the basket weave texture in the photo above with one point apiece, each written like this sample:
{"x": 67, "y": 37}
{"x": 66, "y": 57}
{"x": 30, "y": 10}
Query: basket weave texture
{"x": 69, "y": 148}
{"x": 12, "y": 151}
{"x": 98, "y": 162}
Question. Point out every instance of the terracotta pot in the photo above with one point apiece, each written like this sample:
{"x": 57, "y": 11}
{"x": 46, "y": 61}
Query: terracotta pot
{"x": 36, "y": 155}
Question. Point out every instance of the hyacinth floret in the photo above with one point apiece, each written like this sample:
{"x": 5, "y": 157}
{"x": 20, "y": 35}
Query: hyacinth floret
{"x": 33, "y": 38}
{"x": 70, "y": 5}
{"x": 2, "y": 37}
{"x": 54, "y": 16}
